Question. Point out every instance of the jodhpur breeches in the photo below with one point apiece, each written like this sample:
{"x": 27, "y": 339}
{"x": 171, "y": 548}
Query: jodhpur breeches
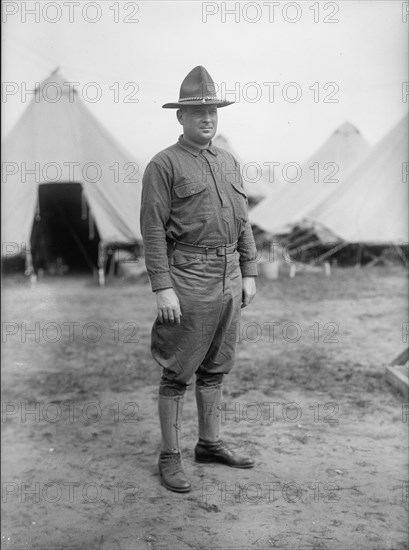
{"x": 209, "y": 288}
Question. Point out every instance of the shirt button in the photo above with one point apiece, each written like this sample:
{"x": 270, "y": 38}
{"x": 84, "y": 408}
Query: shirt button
{"x": 192, "y": 191}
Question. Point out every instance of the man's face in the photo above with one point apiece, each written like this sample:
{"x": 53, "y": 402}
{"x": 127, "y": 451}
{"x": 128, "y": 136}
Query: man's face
{"x": 199, "y": 123}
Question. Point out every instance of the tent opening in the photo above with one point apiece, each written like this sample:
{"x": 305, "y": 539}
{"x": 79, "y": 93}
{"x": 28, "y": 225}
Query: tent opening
{"x": 64, "y": 236}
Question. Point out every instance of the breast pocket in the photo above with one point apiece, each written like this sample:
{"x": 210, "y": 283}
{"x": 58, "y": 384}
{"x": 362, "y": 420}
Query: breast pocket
{"x": 240, "y": 202}
{"x": 193, "y": 200}
{"x": 239, "y": 190}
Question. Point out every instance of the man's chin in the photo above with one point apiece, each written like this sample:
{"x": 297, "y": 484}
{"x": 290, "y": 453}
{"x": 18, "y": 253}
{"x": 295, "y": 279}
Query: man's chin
{"x": 207, "y": 135}
{"x": 201, "y": 139}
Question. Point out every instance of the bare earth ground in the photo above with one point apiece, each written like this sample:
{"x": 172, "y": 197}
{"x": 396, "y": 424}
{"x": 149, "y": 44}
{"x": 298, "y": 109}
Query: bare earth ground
{"x": 308, "y": 401}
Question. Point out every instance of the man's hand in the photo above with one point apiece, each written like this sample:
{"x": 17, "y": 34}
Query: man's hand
{"x": 249, "y": 290}
{"x": 168, "y": 306}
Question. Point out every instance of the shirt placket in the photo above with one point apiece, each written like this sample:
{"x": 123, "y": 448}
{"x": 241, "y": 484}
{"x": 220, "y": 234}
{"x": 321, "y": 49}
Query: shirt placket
{"x": 213, "y": 170}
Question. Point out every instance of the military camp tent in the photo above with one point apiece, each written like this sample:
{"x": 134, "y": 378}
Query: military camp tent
{"x": 372, "y": 204}
{"x": 308, "y": 184}
{"x": 255, "y": 183}
{"x": 68, "y": 188}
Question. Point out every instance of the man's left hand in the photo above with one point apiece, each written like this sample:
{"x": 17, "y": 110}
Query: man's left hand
{"x": 249, "y": 290}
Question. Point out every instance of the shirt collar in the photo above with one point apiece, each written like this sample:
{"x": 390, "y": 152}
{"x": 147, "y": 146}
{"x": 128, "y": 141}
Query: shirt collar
{"x": 196, "y": 150}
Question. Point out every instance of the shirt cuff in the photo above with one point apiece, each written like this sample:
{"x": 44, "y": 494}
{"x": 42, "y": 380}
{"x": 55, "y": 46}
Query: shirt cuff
{"x": 160, "y": 281}
{"x": 249, "y": 269}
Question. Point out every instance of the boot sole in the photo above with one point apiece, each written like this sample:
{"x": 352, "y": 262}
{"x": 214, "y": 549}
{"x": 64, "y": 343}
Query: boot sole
{"x": 175, "y": 489}
{"x": 215, "y": 461}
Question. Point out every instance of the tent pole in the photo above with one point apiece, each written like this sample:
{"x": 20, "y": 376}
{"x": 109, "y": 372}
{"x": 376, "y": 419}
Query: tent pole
{"x": 330, "y": 252}
{"x": 300, "y": 239}
{"x": 292, "y": 234}
{"x": 112, "y": 264}
{"x": 91, "y": 227}
{"x": 80, "y": 246}
{"x": 29, "y": 268}
{"x": 359, "y": 255}
{"x": 101, "y": 264}
{"x": 401, "y": 254}
{"x": 84, "y": 209}
{"x": 375, "y": 260}
{"x": 307, "y": 246}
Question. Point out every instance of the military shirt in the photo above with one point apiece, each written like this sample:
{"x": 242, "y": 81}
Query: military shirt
{"x": 193, "y": 196}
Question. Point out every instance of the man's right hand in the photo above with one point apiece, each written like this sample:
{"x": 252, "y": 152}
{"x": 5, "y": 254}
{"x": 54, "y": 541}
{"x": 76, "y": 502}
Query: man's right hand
{"x": 168, "y": 306}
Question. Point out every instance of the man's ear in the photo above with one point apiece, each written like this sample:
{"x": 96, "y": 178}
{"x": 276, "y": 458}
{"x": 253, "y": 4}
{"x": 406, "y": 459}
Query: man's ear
{"x": 179, "y": 116}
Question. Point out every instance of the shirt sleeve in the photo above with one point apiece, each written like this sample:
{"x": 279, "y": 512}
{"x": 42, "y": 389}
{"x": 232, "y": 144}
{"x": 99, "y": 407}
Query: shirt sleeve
{"x": 248, "y": 252}
{"x": 155, "y": 212}
{"x": 247, "y": 247}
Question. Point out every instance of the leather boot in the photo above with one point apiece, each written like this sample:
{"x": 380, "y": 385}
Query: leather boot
{"x": 170, "y": 465}
{"x": 210, "y": 447}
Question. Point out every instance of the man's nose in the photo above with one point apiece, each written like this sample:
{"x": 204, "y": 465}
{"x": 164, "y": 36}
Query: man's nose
{"x": 206, "y": 115}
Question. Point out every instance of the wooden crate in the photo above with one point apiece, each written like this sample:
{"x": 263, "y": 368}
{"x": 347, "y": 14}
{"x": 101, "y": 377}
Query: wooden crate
{"x": 398, "y": 377}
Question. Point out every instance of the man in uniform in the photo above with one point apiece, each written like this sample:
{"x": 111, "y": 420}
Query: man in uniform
{"x": 201, "y": 261}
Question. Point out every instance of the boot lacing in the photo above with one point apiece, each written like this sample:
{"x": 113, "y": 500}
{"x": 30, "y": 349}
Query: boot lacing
{"x": 172, "y": 462}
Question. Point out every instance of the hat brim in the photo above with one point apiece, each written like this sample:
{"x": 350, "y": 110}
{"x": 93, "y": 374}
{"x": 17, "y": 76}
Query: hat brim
{"x": 216, "y": 103}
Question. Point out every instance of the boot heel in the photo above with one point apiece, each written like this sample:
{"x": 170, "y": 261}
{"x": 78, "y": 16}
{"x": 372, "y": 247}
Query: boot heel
{"x": 221, "y": 453}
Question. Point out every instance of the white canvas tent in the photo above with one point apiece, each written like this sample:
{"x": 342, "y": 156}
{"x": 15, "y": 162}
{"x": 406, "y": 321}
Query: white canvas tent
{"x": 372, "y": 204}
{"x": 65, "y": 179}
{"x": 255, "y": 185}
{"x": 319, "y": 177}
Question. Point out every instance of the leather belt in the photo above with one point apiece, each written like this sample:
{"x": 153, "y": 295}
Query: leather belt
{"x": 221, "y": 250}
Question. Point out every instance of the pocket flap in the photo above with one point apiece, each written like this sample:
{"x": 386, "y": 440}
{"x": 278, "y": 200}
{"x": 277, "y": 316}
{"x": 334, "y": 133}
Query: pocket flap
{"x": 189, "y": 189}
{"x": 239, "y": 190}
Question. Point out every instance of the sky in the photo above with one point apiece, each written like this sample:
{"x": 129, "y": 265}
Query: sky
{"x": 297, "y": 70}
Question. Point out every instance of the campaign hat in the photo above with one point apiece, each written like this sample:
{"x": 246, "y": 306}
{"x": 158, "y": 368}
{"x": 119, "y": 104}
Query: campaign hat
{"x": 197, "y": 88}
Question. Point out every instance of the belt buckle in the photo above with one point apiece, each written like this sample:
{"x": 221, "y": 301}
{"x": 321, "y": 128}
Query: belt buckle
{"x": 221, "y": 250}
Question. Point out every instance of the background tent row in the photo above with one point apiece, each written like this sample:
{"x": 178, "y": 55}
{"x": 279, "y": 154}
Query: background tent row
{"x": 369, "y": 203}
{"x": 371, "y": 206}
{"x": 320, "y": 175}
{"x": 70, "y": 192}
{"x": 69, "y": 189}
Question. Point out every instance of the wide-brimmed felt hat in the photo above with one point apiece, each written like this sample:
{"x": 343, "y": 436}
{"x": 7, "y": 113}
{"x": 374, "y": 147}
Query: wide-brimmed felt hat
{"x": 197, "y": 88}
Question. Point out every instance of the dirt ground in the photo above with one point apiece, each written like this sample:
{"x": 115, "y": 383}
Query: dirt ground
{"x": 307, "y": 398}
